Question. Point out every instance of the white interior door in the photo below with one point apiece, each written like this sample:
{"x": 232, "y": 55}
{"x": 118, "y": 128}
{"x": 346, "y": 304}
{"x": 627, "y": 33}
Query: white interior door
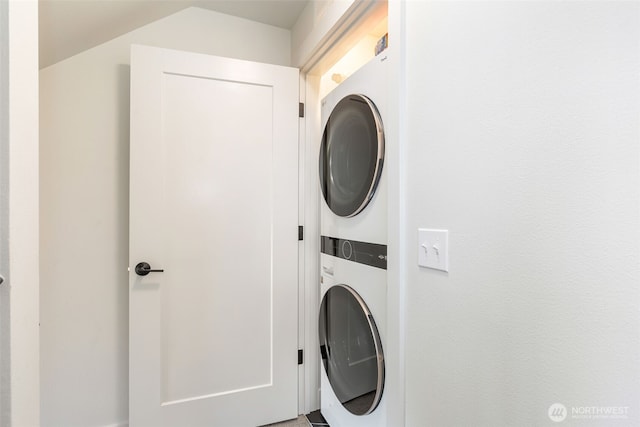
{"x": 214, "y": 187}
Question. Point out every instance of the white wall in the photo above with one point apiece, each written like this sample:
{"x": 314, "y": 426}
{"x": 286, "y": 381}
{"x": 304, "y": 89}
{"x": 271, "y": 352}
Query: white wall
{"x": 84, "y": 208}
{"x": 19, "y": 213}
{"x": 523, "y": 141}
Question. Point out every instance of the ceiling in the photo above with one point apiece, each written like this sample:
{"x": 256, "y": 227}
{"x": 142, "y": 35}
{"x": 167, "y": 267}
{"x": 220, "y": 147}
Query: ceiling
{"x": 68, "y": 27}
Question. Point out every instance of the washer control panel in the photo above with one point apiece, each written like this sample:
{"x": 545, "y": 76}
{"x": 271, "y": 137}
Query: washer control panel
{"x": 372, "y": 254}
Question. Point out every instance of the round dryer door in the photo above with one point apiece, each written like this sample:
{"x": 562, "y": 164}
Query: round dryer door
{"x": 351, "y": 350}
{"x": 351, "y": 155}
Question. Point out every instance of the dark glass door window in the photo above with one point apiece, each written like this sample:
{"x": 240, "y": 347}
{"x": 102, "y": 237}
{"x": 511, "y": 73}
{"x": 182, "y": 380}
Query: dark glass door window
{"x": 351, "y": 350}
{"x": 351, "y": 155}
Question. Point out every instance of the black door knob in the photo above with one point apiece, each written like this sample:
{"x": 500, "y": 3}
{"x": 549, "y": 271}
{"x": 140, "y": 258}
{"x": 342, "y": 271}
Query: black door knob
{"x": 143, "y": 268}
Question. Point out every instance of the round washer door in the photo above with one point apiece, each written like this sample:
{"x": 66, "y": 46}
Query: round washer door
{"x": 351, "y": 155}
{"x": 351, "y": 350}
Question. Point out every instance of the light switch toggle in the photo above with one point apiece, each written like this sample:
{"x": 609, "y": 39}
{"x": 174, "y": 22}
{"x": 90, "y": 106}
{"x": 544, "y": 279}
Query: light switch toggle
{"x": 433, "y": 249}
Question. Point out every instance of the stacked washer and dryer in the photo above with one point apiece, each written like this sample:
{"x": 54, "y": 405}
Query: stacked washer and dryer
{"x": 353, "y": 259}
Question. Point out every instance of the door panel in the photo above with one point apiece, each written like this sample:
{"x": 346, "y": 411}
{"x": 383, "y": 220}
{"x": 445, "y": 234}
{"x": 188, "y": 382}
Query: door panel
{"x": 214, "y": 204}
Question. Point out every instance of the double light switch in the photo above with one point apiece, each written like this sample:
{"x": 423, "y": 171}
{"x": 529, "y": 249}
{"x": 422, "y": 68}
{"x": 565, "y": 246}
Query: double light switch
{"x": 433, "y": 249}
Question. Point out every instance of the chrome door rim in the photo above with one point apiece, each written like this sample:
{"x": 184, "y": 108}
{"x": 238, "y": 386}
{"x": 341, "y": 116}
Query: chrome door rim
{"x": 379, "y": 161}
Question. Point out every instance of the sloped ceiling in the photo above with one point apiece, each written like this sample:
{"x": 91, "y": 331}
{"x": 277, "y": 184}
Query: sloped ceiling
{"x": 68, "y": 27}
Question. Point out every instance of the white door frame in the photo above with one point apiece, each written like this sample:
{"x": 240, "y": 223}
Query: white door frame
{"x": 19, "y": 214}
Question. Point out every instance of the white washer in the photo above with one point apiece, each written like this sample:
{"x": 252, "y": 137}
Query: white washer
{"x": 351, "y": 162}
{"x": 352, "y": 335}
{"x": 353, "y": 228}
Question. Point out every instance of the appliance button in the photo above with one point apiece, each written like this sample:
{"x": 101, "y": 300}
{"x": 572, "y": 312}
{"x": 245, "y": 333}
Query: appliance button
{"x": 347, "y": 249}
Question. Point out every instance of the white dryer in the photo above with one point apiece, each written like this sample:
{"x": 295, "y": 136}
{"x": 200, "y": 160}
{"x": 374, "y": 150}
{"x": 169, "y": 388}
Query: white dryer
{"x": 351, "y": 162}
{"x": 353, "y": 228}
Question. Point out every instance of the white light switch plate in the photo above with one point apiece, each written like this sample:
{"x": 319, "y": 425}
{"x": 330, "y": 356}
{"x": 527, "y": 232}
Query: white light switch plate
{"x": 433, "y": 249}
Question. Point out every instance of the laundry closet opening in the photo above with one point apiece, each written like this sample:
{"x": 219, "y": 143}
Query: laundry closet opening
{"x": 350, "y": 64}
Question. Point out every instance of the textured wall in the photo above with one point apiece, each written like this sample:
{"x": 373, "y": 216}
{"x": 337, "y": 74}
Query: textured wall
{"x": 523, "y": 141}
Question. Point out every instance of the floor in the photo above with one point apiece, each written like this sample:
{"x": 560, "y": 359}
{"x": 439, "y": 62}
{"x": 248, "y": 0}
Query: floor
{"x": 313, "y": 419}
{"x": 301, "y": 421}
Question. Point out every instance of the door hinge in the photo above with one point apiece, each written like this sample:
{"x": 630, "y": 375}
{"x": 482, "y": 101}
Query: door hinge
{"x": 300, "y": 232}
{"x": 300, "y": 357}
{"x": 301, "y": 109}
